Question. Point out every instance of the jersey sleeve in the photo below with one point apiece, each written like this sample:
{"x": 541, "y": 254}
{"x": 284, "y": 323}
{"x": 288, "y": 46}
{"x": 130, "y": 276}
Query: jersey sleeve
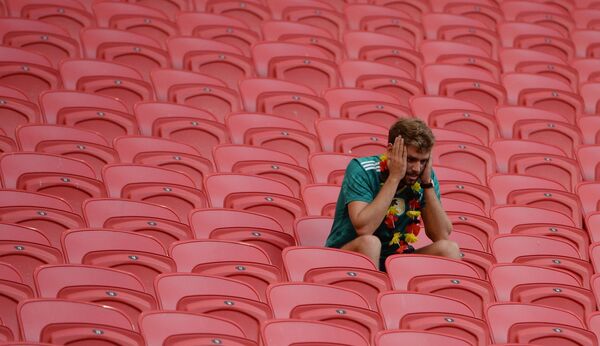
{"x": 356, "y": 185}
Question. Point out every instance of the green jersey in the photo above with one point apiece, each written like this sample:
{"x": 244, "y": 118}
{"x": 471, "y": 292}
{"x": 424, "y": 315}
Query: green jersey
{"x": 362, "y": 182}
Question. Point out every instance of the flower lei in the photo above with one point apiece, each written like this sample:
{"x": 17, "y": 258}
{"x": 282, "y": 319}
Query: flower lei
{"x": 410, "y": 233}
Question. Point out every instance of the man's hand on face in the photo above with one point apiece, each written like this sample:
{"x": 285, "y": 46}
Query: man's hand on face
{"x": 397, "y": 162}
{"x": 426, "y": 175}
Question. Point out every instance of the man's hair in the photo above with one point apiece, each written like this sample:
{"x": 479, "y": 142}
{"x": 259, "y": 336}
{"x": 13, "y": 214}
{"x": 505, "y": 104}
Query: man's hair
{"x": 414, "y": 131}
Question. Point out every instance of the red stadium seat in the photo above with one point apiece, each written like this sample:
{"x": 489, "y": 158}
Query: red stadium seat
{"x": 163, "y": 153}
{"x": 472, "y": 158}
{"x": 252, "y": 13}
{"x": 477, "y": 194}
{"x": 383, "y": 47}
{"x": 306, "y": 12}
{"x": 336, "y": 267}
{"x": 513, "y": 9}
{"x": 241, "y": 261}
{"x": 479, "y": 124}
{"x": 155, "y": 185}
{"x": 312, "y": 230}
{"x": 64, "y": 177}
{"x": 557, "y": 168}
{"x": 273, "y": 132}
{"x": 43, "y": 38}
{"x": 15, "y": 110}
{"x": 295, "y": 62}
{"x": 394, "y": 337}
{"x": 586, "y": 43}
{"x": 135, "y": 216}
{"x": 560, "y": 134}
{"x": 510, "y": 216}
{"x": 424, "y": 106}
{"x": 536, "y": 37}
{"x": 103, "y": 114}
{"x": 139, "y": 254}
{"x": 506, "y": 149}
{"x": 589, "y": 195}
{"x": 505, "y": 319}
{"x": 137, "y": 18}
{"x": 106, "y": 78}
{"x": 436, "y": 22}
{"x": 414, "y": 8}
{"x": 196, "y": 90}
{"x": 515, "y": 59}
{"x": 72, "y": 142}
{"x": 448, "y": 173}
{"x": 508, "y": 116}
{"x": 484, "y": 11}
{"x": 285, "y": 31}
{"x": 63, "y": 321}
{"x": 219, "y": 28}
{"x": 385, "y": 20}
{"x": 456, "y": 53}
{"x": 577, "y": 237}
{"x": 589, "y": 161}
{"x": 176, "y": 327}
{"x": 588, "y": 69}
{"x": 480, "y": 227}
{"x": 114, "y": 288}
{"x": 589, "y": 93}
{"x": 320, "y": 199}
{"x": 294, "y": 331}
{"x": 324, "y": 303}
{"x": 286, "y": 99}
{"x": 214, "y": 58}
{"x": 352, "y": 137}
{"x": 557, "y": 200}
{"x": 509, "y": 247}
{"x": 236, "y": 225}
{"x": 214, "y": 296}
{"x": 29, "y": 72}
{"x": 329, "y": 168}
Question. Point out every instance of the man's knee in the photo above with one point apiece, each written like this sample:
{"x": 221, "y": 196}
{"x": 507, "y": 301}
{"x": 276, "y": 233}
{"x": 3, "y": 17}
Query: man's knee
{"x": 448, "y": 248}
{"x": 369, "y": 242}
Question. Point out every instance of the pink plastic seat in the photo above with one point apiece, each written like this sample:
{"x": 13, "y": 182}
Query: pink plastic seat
{"x": 477, "y": 194}
{"x": 351, "y": 137}
{"x": 320, "y": 199}
{"x": 536, "y": 37}
{"x": 509, "y": 216}
{"x": 252, "y": 14}
{"x": 479, "y": 124}
{"x": 195, "y": 293}
{"x": 424, "y": 106}
{"x": 389, "y": 21}
{"x": 587, "y": 156}
{"x": 506, "y": 149}
{"x": 508, "y": 116}
{"x": 586, "y": 43}
{"x": 16, "y": 109}
{"x": 560, "y": 134}
{"x": 66, "y": 321}
{"x": 393, "y": 337}
{"x": 312, "y": 230}
{"x": 141, "y": 255}
{"x": 476, "y": 159}
{"x": 303, "y": 12}
{"x": 294, "y": 331}
{"x": 515, "y": 59}
{"x": 242, "y": 261}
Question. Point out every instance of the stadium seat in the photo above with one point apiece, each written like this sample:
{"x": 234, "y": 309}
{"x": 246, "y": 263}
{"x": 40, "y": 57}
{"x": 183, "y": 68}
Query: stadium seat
{"x": 435, "y": 50}
{"x": 506, "y": 149}
{"x": 509, "y": 216}
{"x": 30, "y": 73}
{"x": 478, "y": 226}
{"x": 283, "y": 98}
{"x": 395, "y": 337}
{"x": 431, "y": 312}
{"x": 15, "y": 111}
{"x": 47, "y": 214}
{"x": 149, "y": 112}
{"x": 214, "y": 296}
{"x": 325, "y": 303}
{"x": 434, "y": 23}
{"x": 237, "y": 225}
{"x": 163, "y": 153}
{"x": 241, "y": 261}
{"x": 560, "y": 134}
{"x": 424, "y": 106}
{"x": 67, "y": 141}
{"x": 336, "y": 267}
{"x": 312, "y": 230}
{"x": 589, "y": 195}
{"x": 542, "y": 286}
{"x": 588, "y": 69}
{"x": 136, "y": 216}
{"x": 246, "y": 159}
{"x": 556, "y": 96}
{"x": 22, "y": 250}
{"x": 109, "y": 287}
{"x": 137, "y": 51}
{"x": 560, "y": 72}
{"x": 504, "y": 320}
{"x": 381, "y": 77}
{"x": 563, "y": 23}
{"x": 105, "y": 115}
{"x": 384, "y": 48}
{"x": 106, "y": 78}
{"x": 513, "y": 9}
{"x": 589, "y": 93}
{"x": 414, "y": 8}
{"x": 449, "y": 173}
{"x": 464, "y": 82}
{"x": 515, "y": 59}
{"x": 484, "y": 11}
{"x": 320, "y": 199}
{"x": 294, "y": 331}
{"x": 441, "y": 276}
{"x": 365, "y": 105}
{"x": 508, "y": 116}
{"x": 219, "y": 28}
{"x": 479, "y": 124}
{"x": 285, "y": 31}
{"x": 273, "y": 132}
{"x": 197, "y": 90}
{"x": 295, "y": 62}
{"x": 480, "y": 260}
{"x": 589, "y": 161}
{"x": 253, "y": 13}
{"x": 536, "y": 37}
{"x": 305, "y": 12}
{"x": 477, "y": 194}
{"x": 509, "y": 247}
{"x": 557, "y": 200}
{"x": 137, "y": 18}
{"x": 457, "y": 28}
{"x": 352, "y": 137}
{"x": 214, "y": 58}
{"x": 157, "y": 185}
{"x": 60, "y": 176}
{"x": 248, "y": 192}
{"x": 458, "y": 205}
{"x": 46, "y": 39}
{"x": 65, "y": 321}
{"x": 586, "y": 43}
{"x": 577, "y": 237}
{"x": 558, "y": 168}
{"x": 476, "y": 159}
{"x": 176, "y": 327}
{"x": 328, "y": 168}
{"x": 70, "y": 15}
{"x": 141, "y": 255}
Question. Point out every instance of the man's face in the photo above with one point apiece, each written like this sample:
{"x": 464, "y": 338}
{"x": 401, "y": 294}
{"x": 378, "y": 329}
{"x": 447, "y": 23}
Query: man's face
{"x": 416, "y": 162}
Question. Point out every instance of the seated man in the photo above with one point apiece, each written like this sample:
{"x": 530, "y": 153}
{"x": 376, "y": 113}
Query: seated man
{"x": 384, "y": 198}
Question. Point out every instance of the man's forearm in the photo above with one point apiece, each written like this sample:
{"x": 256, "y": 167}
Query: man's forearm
{"x": 370, "y": 217}
{"x": 436, "y": 222}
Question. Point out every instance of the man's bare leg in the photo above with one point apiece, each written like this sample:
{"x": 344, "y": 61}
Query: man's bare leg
{"x": 368, "y": 245}
{"x": 444, "y": 248}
